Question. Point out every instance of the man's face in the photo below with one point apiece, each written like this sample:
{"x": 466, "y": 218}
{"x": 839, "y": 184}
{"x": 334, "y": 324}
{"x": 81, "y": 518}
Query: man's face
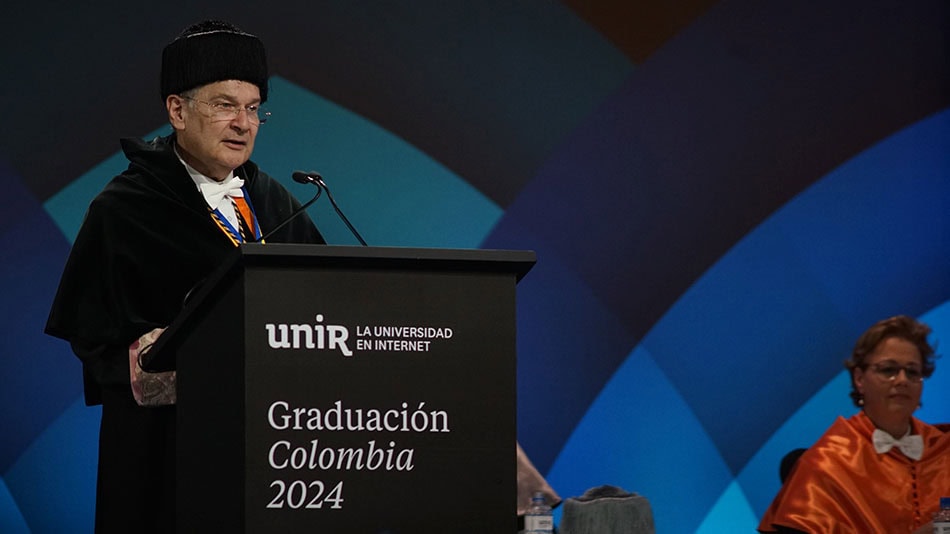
{"x": 210, "y": 139}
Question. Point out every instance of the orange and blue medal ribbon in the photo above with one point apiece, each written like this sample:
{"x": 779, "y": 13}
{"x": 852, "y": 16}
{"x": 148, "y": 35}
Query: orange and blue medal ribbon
{"x": 246, "y": 216}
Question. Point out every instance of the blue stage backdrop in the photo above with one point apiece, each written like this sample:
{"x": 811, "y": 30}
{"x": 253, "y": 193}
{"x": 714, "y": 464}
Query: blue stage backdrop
{"x": 722, "y": 196}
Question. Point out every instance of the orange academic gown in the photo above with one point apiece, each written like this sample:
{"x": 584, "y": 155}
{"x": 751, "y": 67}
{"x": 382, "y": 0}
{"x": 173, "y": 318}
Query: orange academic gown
{"x": 842, "y": 485}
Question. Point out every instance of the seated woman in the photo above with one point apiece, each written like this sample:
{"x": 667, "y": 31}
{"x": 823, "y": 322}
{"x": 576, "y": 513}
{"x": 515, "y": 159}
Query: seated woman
{"x": 882, "y": 470}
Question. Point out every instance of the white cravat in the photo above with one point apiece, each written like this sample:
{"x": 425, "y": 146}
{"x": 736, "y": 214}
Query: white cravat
{"x": 215, "y": 192}
{"x": 203, "y": 182}
{"x": 911, "y": 445}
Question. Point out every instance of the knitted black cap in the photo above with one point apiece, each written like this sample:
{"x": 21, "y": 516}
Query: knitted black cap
{"x": 213, "y": 51}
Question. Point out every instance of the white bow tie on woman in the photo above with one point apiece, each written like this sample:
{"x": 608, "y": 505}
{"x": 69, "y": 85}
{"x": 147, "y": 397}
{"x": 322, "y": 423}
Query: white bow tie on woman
{"x": 215, "y": 192}
{"x": 911, "y": 445}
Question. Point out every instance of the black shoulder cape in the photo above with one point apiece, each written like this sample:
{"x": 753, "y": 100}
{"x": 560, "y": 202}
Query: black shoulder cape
{"x": 147, "y": 240}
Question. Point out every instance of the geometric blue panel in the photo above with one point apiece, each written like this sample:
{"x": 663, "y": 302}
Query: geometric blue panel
{"x": 749, "y": 361}
{"x": 790, "y": 298}
{"x": 54, "y": 481}
{"x": 41, "y": 375}
{"x": 11, "y": 519}
{"x": 936, "y": 395}
{"x": 756, "y": 313}
{"x": 554, "y": 305}
{"x": 730, "y": 514}
{"x": 639, "y": 434}
{"x": 760, "y": 478}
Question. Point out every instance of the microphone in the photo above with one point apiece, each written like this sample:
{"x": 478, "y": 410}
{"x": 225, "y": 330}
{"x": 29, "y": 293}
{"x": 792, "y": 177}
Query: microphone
{"x": 315, "y": 178}
{"x": 306, "y": 179}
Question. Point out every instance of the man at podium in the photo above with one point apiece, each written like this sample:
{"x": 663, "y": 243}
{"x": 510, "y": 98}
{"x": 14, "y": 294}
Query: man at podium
{"x": 151, "y": 236}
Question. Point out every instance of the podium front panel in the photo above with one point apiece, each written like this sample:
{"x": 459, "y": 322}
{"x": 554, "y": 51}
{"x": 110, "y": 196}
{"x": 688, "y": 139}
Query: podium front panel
{"x": 378, "y": 400}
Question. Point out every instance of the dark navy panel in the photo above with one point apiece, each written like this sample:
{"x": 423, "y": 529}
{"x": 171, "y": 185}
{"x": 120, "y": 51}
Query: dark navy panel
{"x": 565, "y": 340}
{"x": 41, "y": 375}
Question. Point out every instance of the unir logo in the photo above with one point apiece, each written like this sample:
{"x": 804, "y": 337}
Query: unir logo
{"x": 309, "y": 336}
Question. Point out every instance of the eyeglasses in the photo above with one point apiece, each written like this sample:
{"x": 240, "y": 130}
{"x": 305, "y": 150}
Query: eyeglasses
{"x": 226, "y": 111}
{"x": 891, "y": 370}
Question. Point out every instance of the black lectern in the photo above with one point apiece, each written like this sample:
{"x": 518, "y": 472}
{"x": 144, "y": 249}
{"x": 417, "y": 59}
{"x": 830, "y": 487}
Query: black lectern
{"x": 348, "y": 389}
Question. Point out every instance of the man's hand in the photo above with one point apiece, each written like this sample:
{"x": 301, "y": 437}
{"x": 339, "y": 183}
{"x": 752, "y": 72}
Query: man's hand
{"x": 149, "y": 389}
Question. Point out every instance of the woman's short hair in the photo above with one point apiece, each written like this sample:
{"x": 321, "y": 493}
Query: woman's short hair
{"x": 901, "y": 327}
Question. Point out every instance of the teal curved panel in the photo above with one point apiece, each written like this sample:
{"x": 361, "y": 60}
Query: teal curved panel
{"x": 394, "y": 194}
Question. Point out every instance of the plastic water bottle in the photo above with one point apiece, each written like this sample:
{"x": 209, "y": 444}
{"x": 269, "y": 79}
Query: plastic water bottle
{"x": 942, "y": 518}
{"x": 539, "y": 519}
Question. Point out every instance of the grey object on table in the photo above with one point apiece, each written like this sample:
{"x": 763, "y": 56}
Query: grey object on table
{"x": 607, "y": 510}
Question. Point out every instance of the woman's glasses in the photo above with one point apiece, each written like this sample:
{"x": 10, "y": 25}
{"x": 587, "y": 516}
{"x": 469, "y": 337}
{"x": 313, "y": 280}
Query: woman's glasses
{"x": 890, "y": 371}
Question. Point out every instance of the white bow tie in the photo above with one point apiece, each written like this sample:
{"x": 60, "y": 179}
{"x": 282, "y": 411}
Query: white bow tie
{"x": 214, "y": 192}
{"x": 911, "y": 445}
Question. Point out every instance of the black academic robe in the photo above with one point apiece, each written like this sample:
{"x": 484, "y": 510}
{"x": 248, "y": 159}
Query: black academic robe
{"x": 147, "y": 240}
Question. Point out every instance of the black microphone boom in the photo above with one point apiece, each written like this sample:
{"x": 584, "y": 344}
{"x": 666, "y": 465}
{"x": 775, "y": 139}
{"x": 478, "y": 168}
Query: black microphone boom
{"x": 297, "y": 211}
{"x": 315, "y": 178}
